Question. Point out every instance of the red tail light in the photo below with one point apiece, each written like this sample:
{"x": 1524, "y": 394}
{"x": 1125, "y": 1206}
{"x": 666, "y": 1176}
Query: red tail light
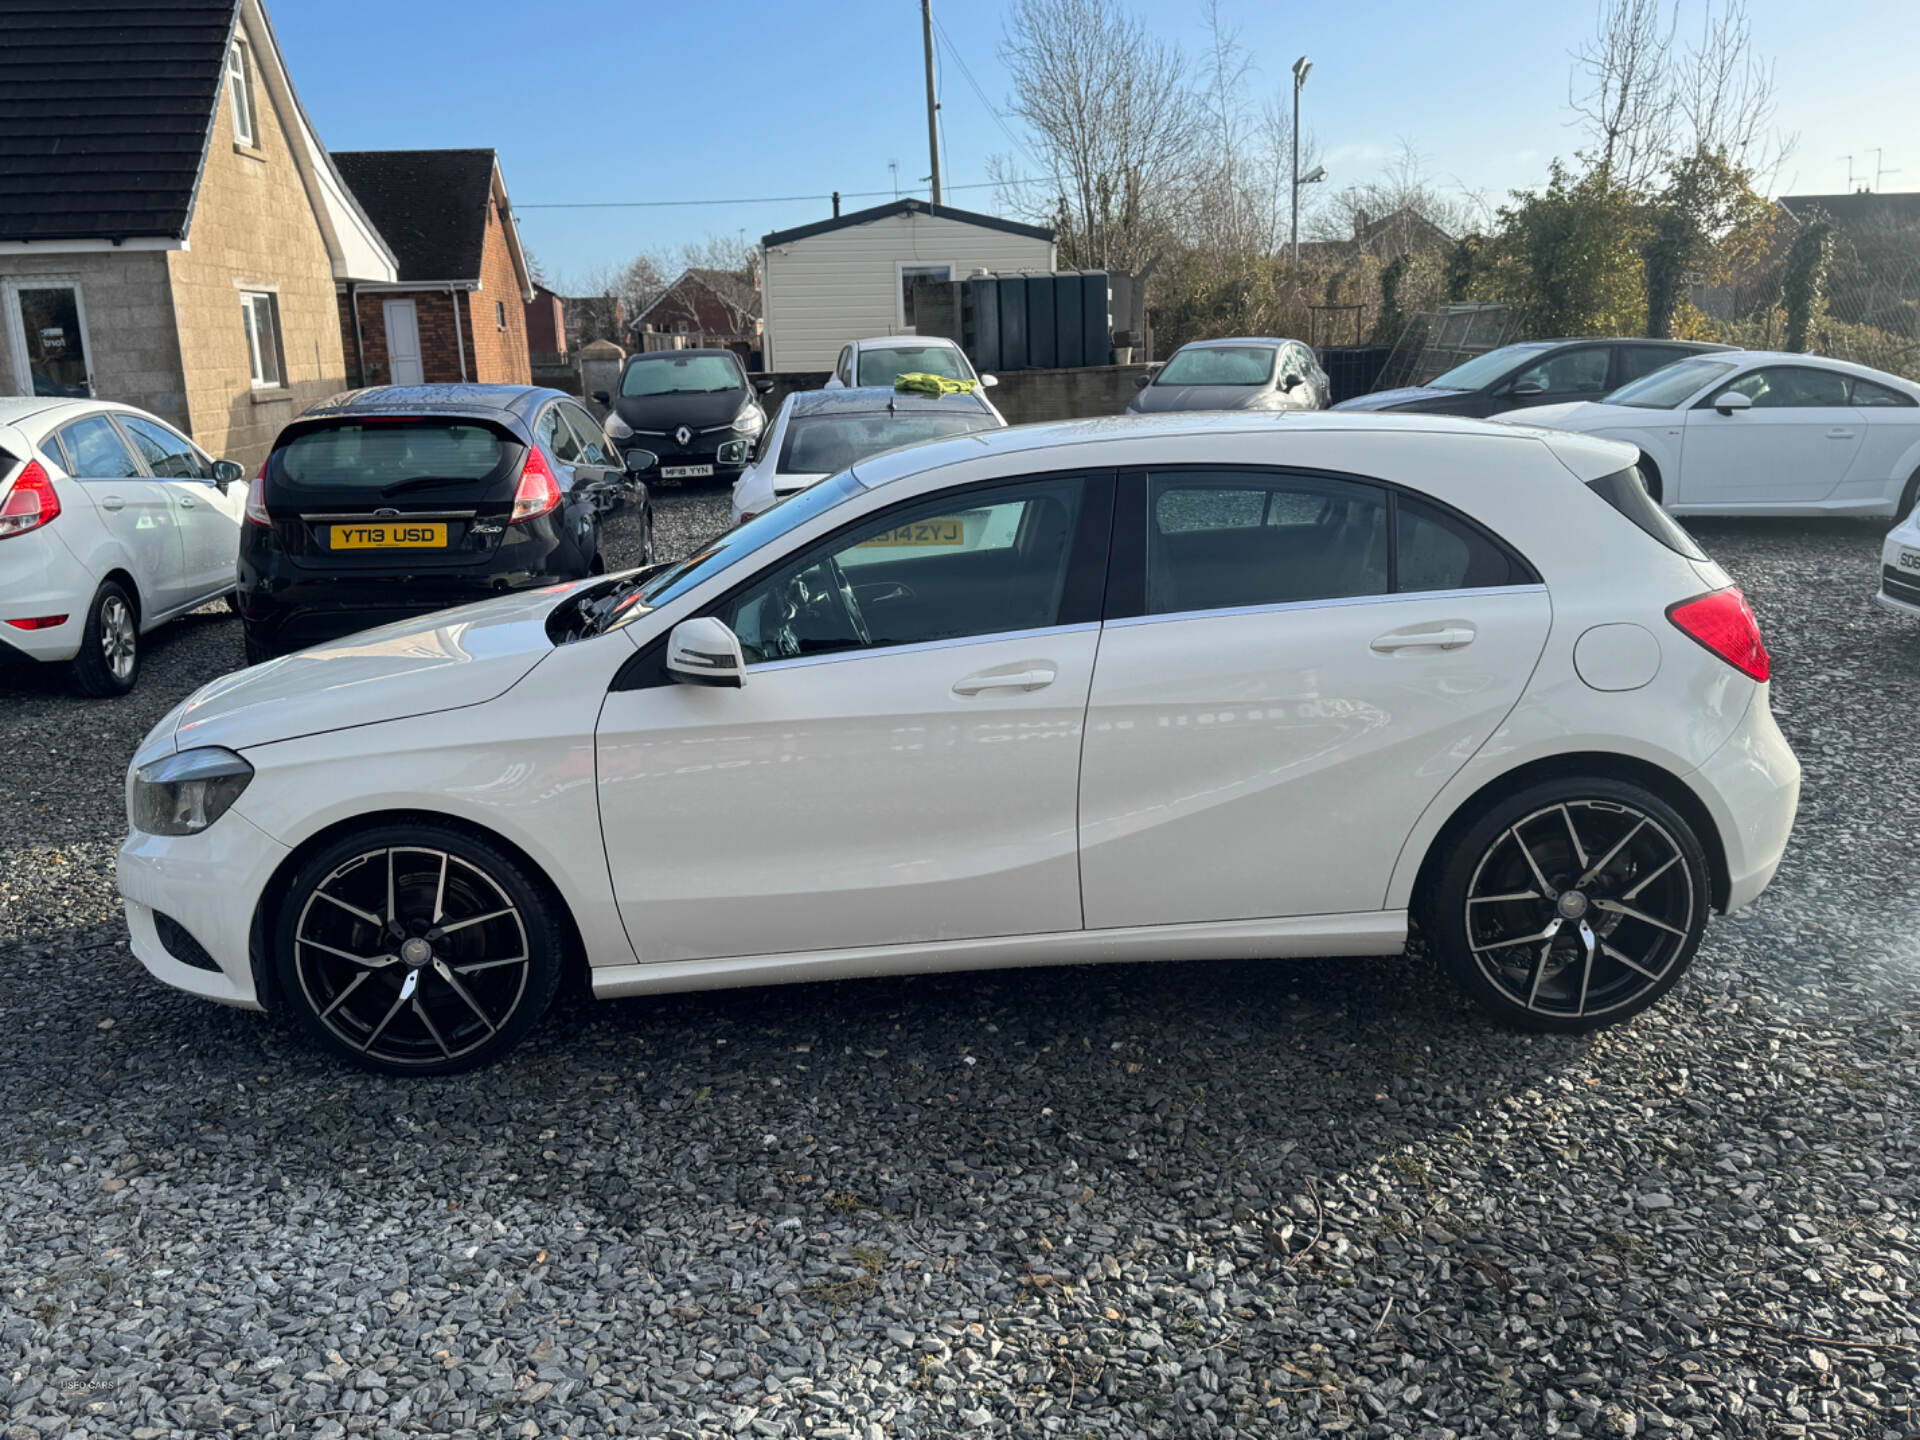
{"x": 30, "y": 502}
{"x": 1723, "y": 622}
{"x": 539, "y": 492}
{"x": 257, "y": 498}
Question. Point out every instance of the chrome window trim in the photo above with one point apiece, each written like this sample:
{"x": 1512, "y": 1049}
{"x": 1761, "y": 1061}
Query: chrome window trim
{"x": 1289, "y": 605}
{"x": 957, "y": 642}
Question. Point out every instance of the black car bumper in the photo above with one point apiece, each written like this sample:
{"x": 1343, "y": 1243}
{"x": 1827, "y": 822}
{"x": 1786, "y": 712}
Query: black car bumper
{"x": 727, "y": 453}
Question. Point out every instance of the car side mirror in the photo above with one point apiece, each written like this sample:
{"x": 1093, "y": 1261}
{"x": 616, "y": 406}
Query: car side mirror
{"x": 1140, "y": 382}
{"x": 1731, "y": 401}
{"x": 703, "y": 651}
{"x": 1528, "y": 388}
{"x": 228, "y": 472}
{"x": 987, "y": 382}
{"x": 1287, "y": 382}
{"x": 765, "y": 387}
{"x": 640, "y": 461}
{"x": 602, "y": 397}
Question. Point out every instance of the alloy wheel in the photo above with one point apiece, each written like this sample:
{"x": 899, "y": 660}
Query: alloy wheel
{"x": 1580, "y": 909}
{"x": 411, "y": 955}
{"x": 118, "y": 637}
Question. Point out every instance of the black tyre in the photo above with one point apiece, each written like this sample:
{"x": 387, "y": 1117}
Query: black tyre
{"x": 417, "y": 950}
{"x": 1908, "y": 498}
{"x": 109, "y": 660}
{"x": 233, "y": 602}
{"x": 1571, "y": 905}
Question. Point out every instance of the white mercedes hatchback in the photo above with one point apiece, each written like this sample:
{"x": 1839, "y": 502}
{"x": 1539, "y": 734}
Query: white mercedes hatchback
{"x": 1146, "y": 689}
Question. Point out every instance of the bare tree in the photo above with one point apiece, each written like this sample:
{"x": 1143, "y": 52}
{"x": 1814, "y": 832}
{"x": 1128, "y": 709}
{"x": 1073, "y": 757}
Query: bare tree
{"x": 1406, "y": 195}
{"x": 1112, "y": 119}
{"x": 1724, "y": 94}
{"x": 1622, "y": 92}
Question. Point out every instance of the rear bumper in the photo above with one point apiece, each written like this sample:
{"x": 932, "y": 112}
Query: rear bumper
{"x": 40, "y": 577}
{"x": 1751, "y": 787}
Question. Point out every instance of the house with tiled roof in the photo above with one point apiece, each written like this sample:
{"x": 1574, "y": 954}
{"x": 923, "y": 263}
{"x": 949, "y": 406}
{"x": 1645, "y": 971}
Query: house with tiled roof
{"x": 457, "y": 309}
{"x": 171, "y": 228}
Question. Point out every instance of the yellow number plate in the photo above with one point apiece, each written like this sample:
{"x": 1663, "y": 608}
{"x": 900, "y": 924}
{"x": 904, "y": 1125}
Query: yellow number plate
{"x": 922, "y": 532}
{"x": 388, "y": 535}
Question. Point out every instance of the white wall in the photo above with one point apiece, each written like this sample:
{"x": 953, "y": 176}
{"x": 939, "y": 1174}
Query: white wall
{"x": 824, "y": 290}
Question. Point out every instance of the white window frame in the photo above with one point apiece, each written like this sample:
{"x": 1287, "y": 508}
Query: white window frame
{"x": 240, "y": 88}
{"x": 250, "y": 303}
{"x": 16, "y": 329}
{"x": 500, "y": 314}
{"x": 900, "y": 269}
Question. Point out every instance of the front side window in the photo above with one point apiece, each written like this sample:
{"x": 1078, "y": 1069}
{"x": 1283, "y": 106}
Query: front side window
{"x": 1667, "y": 388}
{"x": 825, "y": 444}
{"x": 240, "y": 90}
{"x": 167, "y": 455}
{"x": 885, "y": 364}
{"x": 1219, "y": 365}
{"x": 1571, "y": 372}
{"x": 946, "y": 568}
{"x": 670, "y": 373}
{"x": 96, "y": 451}
{"x": 260, "y": 312}
{"x": 1790, "y": 387}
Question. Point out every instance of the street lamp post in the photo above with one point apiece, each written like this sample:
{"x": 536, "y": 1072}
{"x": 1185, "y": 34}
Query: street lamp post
{"x": 1300, "y": 69}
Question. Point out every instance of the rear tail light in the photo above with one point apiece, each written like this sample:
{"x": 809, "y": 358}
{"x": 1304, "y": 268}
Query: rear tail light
{"x": 1723, "y": 622}
{"x": 39, "y": 622}
{"x": 539, "y": 492}
{"x": 30, "y": 502}
{"x": 257, "y": 498}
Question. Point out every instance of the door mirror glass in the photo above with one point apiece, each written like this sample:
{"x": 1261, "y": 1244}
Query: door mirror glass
{"x": 704, "y": 651}
{"x": 1729, "y": 401}
{"x": 640, "y": 461}
{"x": 603, "y": 397}
{"x": 227, "y": 472}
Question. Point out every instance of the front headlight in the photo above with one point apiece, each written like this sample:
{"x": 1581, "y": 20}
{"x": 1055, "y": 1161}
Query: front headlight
{"x": 749, "y": 420}
{"x": 185, "y": 793}
{"x": 617, "y": 428}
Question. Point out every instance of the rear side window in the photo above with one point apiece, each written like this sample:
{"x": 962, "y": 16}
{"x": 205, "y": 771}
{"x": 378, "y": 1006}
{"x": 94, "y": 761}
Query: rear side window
{"x": 1626, "y": 492}
{"x": 354, "y": 457}
{"x": 1436, "y": 551}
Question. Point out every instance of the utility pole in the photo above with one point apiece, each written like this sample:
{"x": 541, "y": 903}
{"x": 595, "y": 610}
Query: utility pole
{"x": 933, "y": 108}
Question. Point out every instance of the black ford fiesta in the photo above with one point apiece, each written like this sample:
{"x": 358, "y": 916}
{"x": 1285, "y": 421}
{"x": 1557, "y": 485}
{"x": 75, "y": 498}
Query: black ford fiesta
{"x": 384, "y": 504}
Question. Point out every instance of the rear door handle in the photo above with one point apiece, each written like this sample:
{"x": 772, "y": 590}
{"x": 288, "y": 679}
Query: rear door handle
{"x": 112, "y": 502}
{"x": 1448, "y": 637}
{"x": 1035, "y": 676}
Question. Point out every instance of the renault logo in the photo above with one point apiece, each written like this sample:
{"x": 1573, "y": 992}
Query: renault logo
{"x": 683, "y": 435}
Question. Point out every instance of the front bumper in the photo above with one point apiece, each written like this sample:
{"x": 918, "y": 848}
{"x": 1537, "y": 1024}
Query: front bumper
{"x": 209, "y": 884}
{"x": 1751, "y": 787}
{"x": 701, "y": 450}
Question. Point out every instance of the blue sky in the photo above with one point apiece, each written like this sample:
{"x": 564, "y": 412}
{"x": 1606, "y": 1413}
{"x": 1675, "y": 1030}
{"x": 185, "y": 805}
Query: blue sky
{"x": 595, "y": 100}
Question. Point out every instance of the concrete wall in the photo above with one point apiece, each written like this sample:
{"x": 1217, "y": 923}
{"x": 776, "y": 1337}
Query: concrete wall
{"x": 1025, "y": 397}
{"x": 254, "y": 228}
{"x": 820, "y": 292}
{"x": 131, "y": 342}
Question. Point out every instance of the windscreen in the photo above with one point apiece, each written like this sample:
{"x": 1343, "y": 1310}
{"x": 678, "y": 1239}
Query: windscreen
{"x": 671, "y": 374}
{"x": 1483, "y": 370}
{"x": 1670, "y": 385}
{"x": 383, "y": 456}
{"x": 823, "y": 444}
{"x": 1219, "y": 365}
{"x": 883, "y": 367}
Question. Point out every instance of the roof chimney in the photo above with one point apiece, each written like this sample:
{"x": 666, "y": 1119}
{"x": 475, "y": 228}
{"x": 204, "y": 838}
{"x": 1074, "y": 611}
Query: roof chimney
{"x": 836, "y": 204}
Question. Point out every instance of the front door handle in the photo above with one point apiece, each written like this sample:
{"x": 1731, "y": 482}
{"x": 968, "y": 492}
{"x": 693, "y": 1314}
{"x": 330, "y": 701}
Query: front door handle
{"x": 1447, "y": 637}
{"x": 112, "y": 502}
{"x": 1839, "y": 433}
{"x": 1032, "y": 675}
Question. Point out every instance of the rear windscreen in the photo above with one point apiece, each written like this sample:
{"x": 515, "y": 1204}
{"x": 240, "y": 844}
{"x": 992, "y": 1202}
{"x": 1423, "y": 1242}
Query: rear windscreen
{"x": 382, "y": 456}
{"x": 1626, "y": 492}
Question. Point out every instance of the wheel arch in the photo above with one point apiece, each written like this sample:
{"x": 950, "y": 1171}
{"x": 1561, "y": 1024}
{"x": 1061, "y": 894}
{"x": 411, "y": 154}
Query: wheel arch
{"x": 1596, "y": 763}
{"x": 123, "y": 577}
{"x": 274, "y": 893}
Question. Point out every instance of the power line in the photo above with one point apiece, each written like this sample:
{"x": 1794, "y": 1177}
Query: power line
{"x": 754, "y": 199}
{"x": 954, "y": 51}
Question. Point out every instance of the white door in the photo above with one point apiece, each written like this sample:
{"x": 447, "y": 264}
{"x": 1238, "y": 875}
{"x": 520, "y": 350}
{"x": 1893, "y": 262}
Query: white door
{"x": 403, "y": 343}
{"x": 209, "y": 517}
{"x": 136, "y": 511}
{"x": 901, "y": 768}
{"x": 1262, "y": 739}
{"x": 1793, "y": 447}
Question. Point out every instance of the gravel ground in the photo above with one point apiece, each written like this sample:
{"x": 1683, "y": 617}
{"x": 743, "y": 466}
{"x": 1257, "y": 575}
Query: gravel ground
{"x": 1248, "y": 1199}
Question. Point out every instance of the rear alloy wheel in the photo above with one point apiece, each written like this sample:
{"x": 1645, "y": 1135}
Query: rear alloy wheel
{"x": 417, "y": 950}
{"x": 109, "y": 658}
{"x": 1572, "y": 905}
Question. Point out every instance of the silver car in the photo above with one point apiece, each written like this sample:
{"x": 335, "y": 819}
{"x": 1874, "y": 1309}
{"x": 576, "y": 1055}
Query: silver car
{"x": 1249, "y": 373}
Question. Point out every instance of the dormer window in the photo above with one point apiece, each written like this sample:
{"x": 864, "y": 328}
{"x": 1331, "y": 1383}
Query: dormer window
{"x": 240, "y": 84}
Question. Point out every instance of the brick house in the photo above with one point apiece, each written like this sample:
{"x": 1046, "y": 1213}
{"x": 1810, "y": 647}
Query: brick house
{"x": 594, "y": 317}
{"x": 716, "y": 307}
{"x": 171, "y": 228}
{"x": 546, "y": 326}
{"x": 458, "y": 308}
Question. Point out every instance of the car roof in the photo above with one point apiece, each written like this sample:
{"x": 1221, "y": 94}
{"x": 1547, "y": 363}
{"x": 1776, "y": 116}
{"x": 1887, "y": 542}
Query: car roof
{"x": 680, "y": 354}
{"x": 859, "y": 399}
{"x": 1237, "y": 340}
{"x": 495, "y": 401}
{"x": 46, "y": 411}
{"x": 905, "y": 342}
{"x": 1689, "y": 346}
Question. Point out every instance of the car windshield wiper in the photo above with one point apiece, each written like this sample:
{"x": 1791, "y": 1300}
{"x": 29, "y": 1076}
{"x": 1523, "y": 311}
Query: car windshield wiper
{"x": 427, "y": 482}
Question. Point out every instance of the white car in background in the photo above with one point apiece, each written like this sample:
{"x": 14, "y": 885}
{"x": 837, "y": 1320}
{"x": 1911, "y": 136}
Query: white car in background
{"x": 822, "y": 432}
{"x": 885, "y": 358}
{"x": 1180, "y": 687}
{"x": 1757, "y": 432}
{"x": 1900, "y": 567}
{"x": 111, "y": 522}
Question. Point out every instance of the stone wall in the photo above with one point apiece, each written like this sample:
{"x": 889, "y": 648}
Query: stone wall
{"x": 132, "y": 346}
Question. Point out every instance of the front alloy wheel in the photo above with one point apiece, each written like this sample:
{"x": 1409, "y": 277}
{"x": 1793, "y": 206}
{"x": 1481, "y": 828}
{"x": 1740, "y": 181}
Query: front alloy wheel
{"x": 417, "y": 950}
{"x": 1572, "y": 906}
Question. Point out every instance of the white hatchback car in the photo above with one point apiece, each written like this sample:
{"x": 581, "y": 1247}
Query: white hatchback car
{"x": 1756, "y": 432}
{"x": 111, "y": 522}
{"x": 1900, "y": 567}
{"x": 1163, "y": 688}
{"x": 885, "y": 358}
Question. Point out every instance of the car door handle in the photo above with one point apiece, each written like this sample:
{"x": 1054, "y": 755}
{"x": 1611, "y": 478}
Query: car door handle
{"x": 1448, "y": 637}
{"x": 1840, "y": 433}
{"x": 112, "y": 502}
{"x": 1034, "y": 676}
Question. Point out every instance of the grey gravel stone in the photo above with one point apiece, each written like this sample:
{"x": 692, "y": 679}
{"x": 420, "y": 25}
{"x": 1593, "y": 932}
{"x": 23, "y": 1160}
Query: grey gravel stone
{"x": 1161, "y": 1201}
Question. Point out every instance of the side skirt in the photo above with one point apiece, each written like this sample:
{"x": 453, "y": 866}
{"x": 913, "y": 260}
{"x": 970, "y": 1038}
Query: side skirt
{"x": 1372, "y": 932}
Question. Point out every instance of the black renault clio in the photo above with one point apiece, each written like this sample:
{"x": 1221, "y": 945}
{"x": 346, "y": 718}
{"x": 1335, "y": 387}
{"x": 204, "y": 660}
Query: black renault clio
{"x": 383, "y": 504}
